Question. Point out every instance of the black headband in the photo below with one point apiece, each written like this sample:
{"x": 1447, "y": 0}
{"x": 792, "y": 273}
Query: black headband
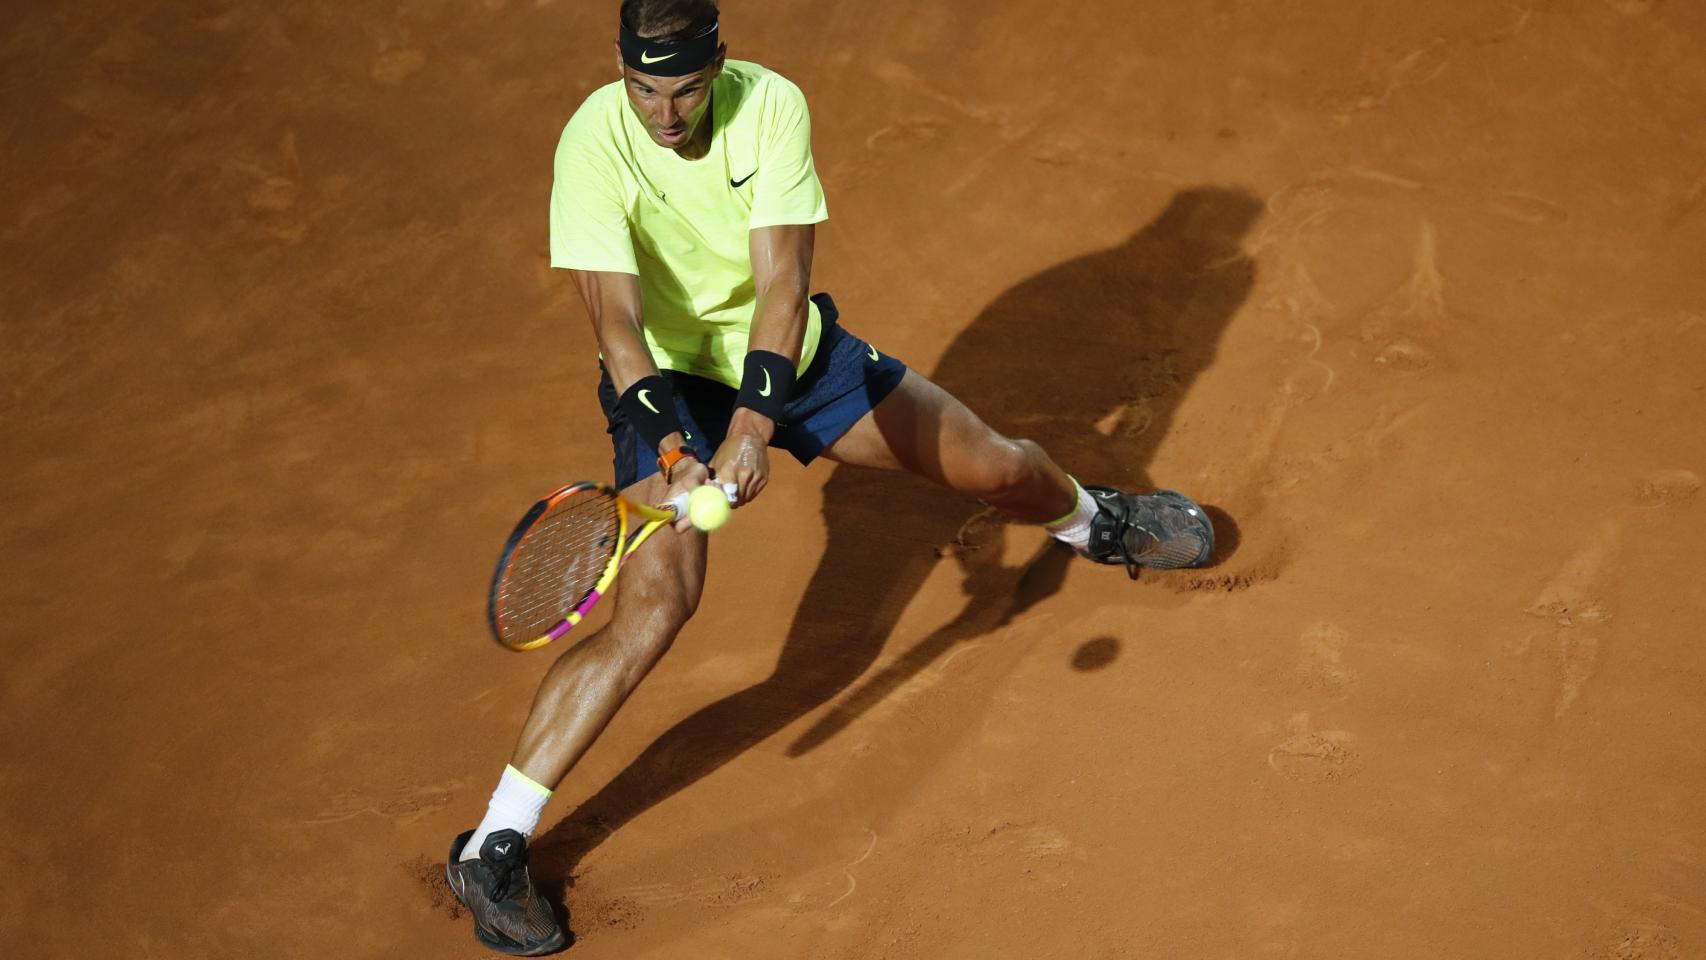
{"x": 676, "y": 59}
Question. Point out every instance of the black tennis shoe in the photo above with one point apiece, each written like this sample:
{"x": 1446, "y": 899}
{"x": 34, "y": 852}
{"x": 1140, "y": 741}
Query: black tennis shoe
{"x": 1165, "y": 530}
{"x": 509, "y": 915}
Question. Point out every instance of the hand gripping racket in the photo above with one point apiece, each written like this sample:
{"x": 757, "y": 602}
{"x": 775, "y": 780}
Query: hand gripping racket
{"x": 564, "y": 556}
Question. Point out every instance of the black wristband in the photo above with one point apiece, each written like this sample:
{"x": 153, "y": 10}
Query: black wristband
{"x": 766, "y": 383}
{"x": 649, "y": 404}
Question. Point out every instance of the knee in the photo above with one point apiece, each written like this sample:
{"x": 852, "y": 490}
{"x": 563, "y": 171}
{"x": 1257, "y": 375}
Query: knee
{"x": 663, "y": 609}
{"x": 1006, "y": 466}
{"x": 670, "y": 611}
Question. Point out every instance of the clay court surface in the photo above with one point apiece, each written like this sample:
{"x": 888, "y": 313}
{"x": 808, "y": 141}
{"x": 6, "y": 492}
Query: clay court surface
{"x": 1412, "y": 294}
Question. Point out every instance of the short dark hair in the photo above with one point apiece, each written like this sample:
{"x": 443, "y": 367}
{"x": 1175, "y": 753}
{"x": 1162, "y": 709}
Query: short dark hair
{"x": 668, "y": 21}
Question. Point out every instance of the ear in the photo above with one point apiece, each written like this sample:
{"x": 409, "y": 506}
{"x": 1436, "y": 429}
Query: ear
{"x": 717, "y": 64}
{"x": 621, "y": 67}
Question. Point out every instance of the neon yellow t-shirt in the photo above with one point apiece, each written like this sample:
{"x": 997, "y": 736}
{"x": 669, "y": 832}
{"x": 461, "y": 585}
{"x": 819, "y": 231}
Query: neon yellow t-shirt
{"x": 622, "y": 204}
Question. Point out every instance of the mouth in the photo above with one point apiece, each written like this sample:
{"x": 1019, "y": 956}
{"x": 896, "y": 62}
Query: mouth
{"x": 673, "y": 137}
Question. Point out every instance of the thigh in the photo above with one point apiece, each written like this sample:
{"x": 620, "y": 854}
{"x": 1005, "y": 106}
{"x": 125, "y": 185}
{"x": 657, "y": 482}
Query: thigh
{"x": 846, "y": 381}
{"x": 666, "y": 576}
{"x": 923, "y": 429}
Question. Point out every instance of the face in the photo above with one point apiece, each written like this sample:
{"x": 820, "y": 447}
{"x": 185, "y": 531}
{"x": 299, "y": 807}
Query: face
{"x": 672, "y": 108}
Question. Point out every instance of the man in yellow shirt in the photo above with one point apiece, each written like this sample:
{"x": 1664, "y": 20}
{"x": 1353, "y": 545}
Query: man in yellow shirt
{"x": 684, "y": 207}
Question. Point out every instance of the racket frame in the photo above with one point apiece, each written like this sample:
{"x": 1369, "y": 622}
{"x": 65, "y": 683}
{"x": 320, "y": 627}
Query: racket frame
{"x": 628, "y": 514}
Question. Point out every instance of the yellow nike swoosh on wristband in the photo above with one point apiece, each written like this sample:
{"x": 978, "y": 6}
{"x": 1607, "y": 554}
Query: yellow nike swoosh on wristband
{"x": 645, "y": 402}
{"x": 648, "y": 58}
{"x": 766, "y": 391}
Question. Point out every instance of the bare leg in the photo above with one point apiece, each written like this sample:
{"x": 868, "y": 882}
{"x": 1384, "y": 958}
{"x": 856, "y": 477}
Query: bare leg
{"x": 657, "y": 594}
{"x": 921, "y": 428}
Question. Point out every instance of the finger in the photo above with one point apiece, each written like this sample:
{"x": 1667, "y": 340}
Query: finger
{"x": 688, "y": 480}
{"x": 674, "y": 500}
{"x": 683, "y": 519}
{"x": 760, "y": 473}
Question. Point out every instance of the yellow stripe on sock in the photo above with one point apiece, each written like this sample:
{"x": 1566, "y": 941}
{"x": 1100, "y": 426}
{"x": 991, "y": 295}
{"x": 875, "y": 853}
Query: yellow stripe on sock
{"x": 1076, "y": 502}
{"x": 524, "y": 778}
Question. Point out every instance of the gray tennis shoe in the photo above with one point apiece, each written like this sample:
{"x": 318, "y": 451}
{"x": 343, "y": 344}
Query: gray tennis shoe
{"x": 509, "y": 915}
{"x": 1164, "y": 530}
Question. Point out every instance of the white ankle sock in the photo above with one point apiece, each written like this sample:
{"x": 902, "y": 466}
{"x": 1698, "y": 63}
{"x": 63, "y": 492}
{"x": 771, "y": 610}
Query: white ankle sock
{"x": 1074, "y": 528}
{"x": 516, "y": 805}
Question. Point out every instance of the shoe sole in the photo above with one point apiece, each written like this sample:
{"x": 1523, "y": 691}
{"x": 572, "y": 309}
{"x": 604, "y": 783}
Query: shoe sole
{"x": 555, "y": 944}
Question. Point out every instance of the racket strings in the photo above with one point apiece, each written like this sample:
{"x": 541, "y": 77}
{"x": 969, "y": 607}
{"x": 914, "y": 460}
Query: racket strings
{"x": 557, "y": 563}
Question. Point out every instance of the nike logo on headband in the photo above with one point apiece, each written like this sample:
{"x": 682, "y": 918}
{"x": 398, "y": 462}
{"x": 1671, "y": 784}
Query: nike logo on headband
{"x": 648, "y": 58}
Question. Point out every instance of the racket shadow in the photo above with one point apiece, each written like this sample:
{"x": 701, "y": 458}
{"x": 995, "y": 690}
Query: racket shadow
{"x": 1091, "y": 358}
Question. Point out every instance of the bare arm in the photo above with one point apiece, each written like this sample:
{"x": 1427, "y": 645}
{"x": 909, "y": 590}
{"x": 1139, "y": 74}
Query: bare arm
{"x": 781, "y": 271}
{"x": 613, "y": 302}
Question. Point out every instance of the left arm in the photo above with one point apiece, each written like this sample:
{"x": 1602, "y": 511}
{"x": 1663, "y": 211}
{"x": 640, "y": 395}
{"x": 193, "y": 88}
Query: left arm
{"x": 781, "y": 271}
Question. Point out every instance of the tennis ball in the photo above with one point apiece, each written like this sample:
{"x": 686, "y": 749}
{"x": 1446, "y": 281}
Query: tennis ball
{"x": 708, "y": 507}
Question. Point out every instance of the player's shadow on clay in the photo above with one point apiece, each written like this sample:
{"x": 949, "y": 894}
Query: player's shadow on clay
{"x": 1091, "y": 359}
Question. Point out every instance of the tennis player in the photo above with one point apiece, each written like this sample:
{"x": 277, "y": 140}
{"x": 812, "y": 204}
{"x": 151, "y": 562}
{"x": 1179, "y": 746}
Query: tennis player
{"x": 684, "y": 206}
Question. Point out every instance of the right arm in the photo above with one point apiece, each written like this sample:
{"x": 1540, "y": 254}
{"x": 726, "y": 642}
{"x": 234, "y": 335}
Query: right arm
{"x": 590, "y": 238}
{"x": 613, "y": 303}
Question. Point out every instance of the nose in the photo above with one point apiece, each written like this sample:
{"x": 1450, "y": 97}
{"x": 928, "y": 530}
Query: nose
{"x": 667, "y": 115}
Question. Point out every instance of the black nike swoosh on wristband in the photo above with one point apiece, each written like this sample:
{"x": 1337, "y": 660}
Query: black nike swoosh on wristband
{"x": 738, "y": 183}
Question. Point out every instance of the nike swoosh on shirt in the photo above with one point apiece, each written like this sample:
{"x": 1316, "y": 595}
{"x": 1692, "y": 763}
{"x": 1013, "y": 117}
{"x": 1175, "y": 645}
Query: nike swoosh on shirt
{"x": 648, "y": 58}
{"x": 737, "y": 184}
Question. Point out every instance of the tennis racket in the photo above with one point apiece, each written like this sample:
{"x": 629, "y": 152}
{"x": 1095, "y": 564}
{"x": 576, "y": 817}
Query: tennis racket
{"x": 564, "y": 556}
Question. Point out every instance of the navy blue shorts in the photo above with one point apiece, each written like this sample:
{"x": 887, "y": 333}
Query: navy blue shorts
{"x": 846, "y": 380}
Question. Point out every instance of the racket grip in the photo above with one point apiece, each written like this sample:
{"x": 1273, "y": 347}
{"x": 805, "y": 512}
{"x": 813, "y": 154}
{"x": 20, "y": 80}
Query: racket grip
{"x": 678, "y": 503}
